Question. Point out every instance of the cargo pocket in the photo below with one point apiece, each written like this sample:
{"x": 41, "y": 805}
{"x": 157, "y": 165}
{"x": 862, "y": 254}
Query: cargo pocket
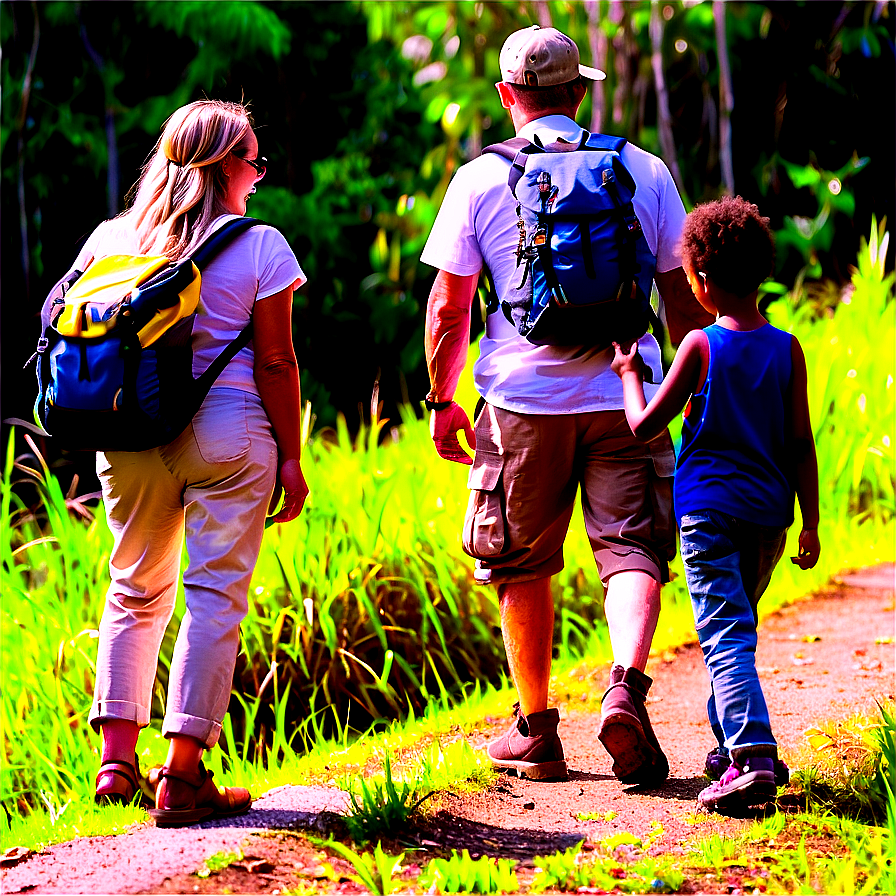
{"x": 661, "y": 477}
{"x": 484, "y": 525}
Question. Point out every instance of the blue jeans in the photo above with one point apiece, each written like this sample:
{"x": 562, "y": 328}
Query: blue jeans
{"x": 728, "y": 564}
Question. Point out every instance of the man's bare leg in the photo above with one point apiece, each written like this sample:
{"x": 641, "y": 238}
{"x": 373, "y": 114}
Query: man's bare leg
{"x": 632, "y": 609}
{"x": 531, "y": 746}
{"x": 527, "y": 623}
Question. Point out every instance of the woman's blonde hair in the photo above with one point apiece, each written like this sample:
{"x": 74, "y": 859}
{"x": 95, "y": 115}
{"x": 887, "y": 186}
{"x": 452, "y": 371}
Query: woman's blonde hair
{"x": 182, "y": 187}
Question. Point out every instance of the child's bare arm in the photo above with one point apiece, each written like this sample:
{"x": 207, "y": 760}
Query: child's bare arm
{"x": 806, "y": 462}
{"x": 688, "y": 369}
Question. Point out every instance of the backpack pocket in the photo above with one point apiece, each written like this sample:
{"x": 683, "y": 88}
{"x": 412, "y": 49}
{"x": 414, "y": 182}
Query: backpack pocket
{"x": 86, "y": 374}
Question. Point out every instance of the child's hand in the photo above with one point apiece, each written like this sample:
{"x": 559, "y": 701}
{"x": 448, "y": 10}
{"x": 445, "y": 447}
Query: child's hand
{"x": 627, "y": 361}
{"x": 810, "y": 548}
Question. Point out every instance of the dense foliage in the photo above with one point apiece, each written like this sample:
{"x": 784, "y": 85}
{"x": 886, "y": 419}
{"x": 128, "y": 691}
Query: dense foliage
{"x": 366, "y": 109}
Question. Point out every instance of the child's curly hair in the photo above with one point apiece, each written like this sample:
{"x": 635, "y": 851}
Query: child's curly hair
{"x": 729, "y": 241}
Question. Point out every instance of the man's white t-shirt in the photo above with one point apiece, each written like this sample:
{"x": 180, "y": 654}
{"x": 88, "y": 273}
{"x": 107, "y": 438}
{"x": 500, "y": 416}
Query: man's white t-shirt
{"x": 476, "y": 226}
{"x": 256, "y": 265}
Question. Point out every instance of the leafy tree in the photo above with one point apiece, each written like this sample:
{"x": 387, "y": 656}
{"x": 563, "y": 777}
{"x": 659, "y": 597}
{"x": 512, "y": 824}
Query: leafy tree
{"x": 366, "y": 109}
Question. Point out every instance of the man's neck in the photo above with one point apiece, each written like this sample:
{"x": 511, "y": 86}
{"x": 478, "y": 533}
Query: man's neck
{"x": 521, "y": 119}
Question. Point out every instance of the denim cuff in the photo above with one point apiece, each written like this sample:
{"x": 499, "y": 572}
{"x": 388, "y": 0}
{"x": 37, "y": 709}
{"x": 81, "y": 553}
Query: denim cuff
{"x": 739, "y": 754}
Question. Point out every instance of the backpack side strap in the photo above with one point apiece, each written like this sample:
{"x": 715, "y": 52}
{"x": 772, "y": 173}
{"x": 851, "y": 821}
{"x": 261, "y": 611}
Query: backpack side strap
{"x": 206, "y": 380}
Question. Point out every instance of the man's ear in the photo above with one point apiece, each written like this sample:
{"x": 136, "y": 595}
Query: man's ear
{"x": 506, "y": 94}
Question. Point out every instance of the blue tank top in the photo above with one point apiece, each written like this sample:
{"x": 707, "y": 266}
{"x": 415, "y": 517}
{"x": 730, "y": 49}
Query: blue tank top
{"x": 735, "y": 452}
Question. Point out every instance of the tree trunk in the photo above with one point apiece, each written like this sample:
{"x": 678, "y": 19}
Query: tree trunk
{"x": 622, "y": 54}
{"x": 664, "y": 119}
{"x": 726, "y": 97}
{"x": 20, "y": 149}
{"x": 599, "y": 45}
{"x": 111, "y": 138}
{"x": 543, "y": 11}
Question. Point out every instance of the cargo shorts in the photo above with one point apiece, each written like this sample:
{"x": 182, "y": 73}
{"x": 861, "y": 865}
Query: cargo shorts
{"x": 523, "y": 483}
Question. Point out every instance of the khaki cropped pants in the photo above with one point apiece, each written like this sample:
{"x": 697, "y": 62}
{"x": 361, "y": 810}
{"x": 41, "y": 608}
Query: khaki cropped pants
{"x": 212, "y": 484}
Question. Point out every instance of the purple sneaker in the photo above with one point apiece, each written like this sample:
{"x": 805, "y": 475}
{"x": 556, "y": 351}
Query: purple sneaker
{"x": 718, "y": 762}
{"x": 751, "y": 784}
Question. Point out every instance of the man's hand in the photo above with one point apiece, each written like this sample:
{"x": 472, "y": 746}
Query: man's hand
{"x": 444, "y": 427}
{"x": 291, "y": 481}
{"x": 627, "y": 360}
{"x": 810, "y": 548}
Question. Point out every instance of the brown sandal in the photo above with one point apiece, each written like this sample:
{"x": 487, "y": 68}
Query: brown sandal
{"x": 183, "y": 798}
{"x": 121, "y": 783}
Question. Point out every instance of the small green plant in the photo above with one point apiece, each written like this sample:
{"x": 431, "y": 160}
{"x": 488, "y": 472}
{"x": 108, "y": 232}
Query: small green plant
{"x": 376, "y": 871}
{"x": 380, "y": 808}
{"x": 218, "y": 862}
{"x": 715, "y": 852}
{"x": 766, "y": 829}
{"x": 618, "y": 864}
{"x": 463, "y": 874}
{"x": 561, "y": 871}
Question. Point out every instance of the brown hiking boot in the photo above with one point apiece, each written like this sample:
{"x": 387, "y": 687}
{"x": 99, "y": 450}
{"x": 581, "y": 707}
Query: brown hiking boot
{"x": 183, "y": 799}
{"x": 531, "y": 747}
{"x": 626, "y": 732}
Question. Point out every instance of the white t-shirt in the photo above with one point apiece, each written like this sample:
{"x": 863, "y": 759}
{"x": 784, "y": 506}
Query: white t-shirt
{"x": 256, "y": 265}
{"x": 476, "y": 225}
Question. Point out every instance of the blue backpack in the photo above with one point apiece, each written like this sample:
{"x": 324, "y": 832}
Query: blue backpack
{"x": 115, "y": 355}
{"x": 585, "y": 270}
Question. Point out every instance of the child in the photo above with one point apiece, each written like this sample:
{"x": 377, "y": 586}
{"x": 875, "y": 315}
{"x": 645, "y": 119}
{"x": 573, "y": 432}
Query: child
{"x": 746, "y": 448}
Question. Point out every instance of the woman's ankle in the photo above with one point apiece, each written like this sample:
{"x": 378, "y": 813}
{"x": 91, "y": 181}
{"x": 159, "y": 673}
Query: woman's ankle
{"x": 184, "y": 754}
{"x": 119, "y": 740}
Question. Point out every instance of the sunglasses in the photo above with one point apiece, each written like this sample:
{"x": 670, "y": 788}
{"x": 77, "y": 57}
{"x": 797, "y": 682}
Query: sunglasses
{"x": 260, "y": 164}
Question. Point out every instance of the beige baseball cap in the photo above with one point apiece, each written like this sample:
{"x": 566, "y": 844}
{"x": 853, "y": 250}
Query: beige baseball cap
{"x": 543, "y": 57}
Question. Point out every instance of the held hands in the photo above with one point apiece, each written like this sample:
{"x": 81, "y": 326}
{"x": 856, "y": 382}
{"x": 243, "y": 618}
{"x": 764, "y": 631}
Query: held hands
{"x": 627, "y": 360}
{"x": 810, "y": 548}
{"x": 444, "y": 427}
{"x": 291, "y": 481}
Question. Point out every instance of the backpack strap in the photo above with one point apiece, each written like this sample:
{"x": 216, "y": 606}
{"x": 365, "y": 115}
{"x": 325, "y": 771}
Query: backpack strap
{"x": 222, "y": 237}
{"x": 515, "y": 151}
{"x": 207, "y": 379}
{"x": 206, "y": 251}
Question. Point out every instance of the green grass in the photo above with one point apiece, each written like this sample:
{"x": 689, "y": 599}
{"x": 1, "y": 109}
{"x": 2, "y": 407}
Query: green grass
{"x": 364, "y": 611}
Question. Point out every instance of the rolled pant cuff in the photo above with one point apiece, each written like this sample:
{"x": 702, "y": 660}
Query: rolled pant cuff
{"x": 740, "y": 754}
{"x": 205, "y": 731}
{"x": 117, "y": 710}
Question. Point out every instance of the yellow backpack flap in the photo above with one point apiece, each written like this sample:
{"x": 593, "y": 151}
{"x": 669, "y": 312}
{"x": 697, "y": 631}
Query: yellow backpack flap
{"x": 113, "y": 283}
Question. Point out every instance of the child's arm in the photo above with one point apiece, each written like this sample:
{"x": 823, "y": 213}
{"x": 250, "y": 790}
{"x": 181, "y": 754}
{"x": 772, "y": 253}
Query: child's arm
{"x": 686, "y": 375}
{"x": 806, "y": 461}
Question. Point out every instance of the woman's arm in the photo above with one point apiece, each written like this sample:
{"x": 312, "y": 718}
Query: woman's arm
{"x": 277, "y": 378}
{"x": 685, "y": 377}
{"x": 805, "y": 459}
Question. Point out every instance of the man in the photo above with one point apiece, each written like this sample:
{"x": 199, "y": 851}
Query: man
{"x": 552, "y": 421}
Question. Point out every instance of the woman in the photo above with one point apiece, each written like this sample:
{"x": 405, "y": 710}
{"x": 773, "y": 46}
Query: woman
{"x": 214, "y": 483}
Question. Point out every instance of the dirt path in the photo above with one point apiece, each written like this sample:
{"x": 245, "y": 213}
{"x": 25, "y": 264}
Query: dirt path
{"x": 819, "y": 659}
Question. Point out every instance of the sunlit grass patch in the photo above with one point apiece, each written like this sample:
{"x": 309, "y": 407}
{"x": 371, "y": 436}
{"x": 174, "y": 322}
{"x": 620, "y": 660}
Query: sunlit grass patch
{"x": 848, "y": 765}
{"x": 52, "y": 823}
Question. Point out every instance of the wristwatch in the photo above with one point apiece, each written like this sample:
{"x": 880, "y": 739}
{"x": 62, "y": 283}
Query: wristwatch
{"x": 431, "y": 405}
